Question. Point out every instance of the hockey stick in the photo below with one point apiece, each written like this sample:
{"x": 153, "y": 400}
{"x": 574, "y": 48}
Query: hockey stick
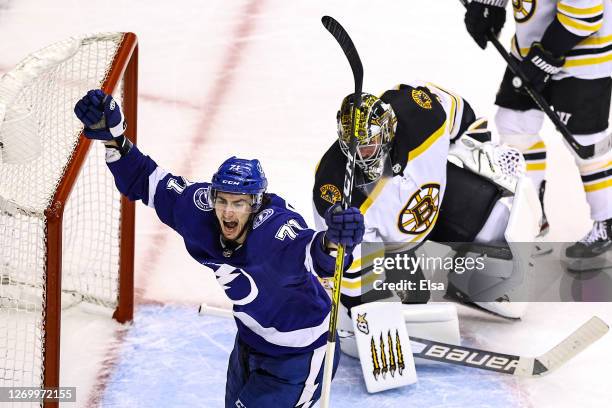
{"x": 520, "y": 81}
{"x": 501, "y": 363}
{"x": 350, "y": 51}
{"x": 521, "y": 366}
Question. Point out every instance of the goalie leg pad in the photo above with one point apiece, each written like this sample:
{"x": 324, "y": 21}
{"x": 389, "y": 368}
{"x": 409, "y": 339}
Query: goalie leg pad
{"x": 433, "y": 321}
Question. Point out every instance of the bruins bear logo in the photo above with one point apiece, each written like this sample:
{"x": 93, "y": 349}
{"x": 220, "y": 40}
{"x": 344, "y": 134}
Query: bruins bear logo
{"x": 523, "y": 9}
{"x": 330, "y": 193}
{"x": 421, "y": 211}
{"x": 421, "y": 99}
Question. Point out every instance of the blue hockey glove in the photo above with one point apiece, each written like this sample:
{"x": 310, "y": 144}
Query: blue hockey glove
{"x": 344, "y": 227}
{"x": 539, "y": 65}
{"x": 101, "y": 115}
{"x": 483, "y": 17}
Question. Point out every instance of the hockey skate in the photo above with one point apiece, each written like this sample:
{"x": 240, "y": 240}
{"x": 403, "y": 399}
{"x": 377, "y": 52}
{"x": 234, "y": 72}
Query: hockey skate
{"x": 594, "y": 251}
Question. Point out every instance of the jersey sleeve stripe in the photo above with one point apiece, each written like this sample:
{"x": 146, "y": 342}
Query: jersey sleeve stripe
{"x": 538, "y": 146}
{"x": 536, "y": 166}
{"x": 414, "y": 153}
{"x": 456, "y": 106}
{"x": 367, "y": 260}
{"x": 359, "y": 283}
{"x": 577, "y": 62}
{"x": 579, "y": 27}
{"x": 598, "y": 186}
{"x": 579, "y": 11}
{"x": 154, "y": 179}
{"x": 593, "y": 40}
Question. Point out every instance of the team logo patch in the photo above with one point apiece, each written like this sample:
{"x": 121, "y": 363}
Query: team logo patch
{"x": 421, "y": 99}
{"x": 262, "y": 216}
{"x": 387, "y": 355}
{"x": 421, "y": 211}
{"x": 330, "y": 193}
{"x": 200, "y": 199}
{"x": 362, "y": 324}
{"x": 523, "y": 9}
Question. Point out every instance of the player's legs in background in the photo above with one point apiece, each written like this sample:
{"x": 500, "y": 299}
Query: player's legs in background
{"x": 518, "y": 123}
{"x": 293, "y": 380}
{"x": 586, "y": 106}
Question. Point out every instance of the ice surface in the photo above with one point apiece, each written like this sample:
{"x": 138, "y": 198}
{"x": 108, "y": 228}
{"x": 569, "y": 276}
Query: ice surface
{"x": 262, "y": 78}
{"x": 176, "y": 358}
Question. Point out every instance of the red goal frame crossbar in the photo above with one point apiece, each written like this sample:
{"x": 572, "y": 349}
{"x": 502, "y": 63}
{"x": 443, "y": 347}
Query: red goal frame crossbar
{"x": 125, "y": 65}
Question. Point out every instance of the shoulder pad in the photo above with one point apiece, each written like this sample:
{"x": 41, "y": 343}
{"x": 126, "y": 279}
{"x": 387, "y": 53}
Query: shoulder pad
{"x": 329, "y": 179}
{"x": 419, "y": 116}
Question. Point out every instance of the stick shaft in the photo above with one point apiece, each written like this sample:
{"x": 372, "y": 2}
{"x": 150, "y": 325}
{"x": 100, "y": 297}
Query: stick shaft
{"x": 348, "y": 47}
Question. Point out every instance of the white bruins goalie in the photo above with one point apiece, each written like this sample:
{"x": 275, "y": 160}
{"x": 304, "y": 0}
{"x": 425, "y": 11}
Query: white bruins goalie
{"x": 427, "y": 171}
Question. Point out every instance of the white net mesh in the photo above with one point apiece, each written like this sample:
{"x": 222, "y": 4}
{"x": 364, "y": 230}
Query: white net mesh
{"x": 38, "y": 136}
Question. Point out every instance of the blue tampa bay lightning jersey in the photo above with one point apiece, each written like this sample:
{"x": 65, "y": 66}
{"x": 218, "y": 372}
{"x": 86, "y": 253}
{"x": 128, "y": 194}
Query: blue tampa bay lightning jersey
{"x": 278, "y": 303}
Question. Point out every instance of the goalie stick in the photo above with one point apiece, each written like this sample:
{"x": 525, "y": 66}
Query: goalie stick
{"x": 521, "y": 366}
{"x": 521, "y": 82}
{"x": 352, "y": 56}
{"x": 501, "y": 363}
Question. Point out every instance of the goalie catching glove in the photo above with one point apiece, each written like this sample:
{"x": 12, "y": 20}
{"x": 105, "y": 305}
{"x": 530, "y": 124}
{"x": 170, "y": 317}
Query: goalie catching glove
{"x": 101, "y": 115}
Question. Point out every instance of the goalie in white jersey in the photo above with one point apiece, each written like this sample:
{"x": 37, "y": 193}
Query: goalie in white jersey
{"x": 564, "y": 48}
{"x": 408, "y": 192}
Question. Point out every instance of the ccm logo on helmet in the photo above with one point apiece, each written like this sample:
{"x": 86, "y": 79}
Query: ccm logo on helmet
{"x": 230, "y": 182}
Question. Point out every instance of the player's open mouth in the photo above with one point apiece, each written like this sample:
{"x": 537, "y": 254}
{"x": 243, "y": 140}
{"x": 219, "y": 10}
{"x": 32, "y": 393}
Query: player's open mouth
{"x": 230, "y": 226}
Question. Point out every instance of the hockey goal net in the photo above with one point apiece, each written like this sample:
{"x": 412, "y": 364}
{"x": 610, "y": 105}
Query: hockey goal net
{"x": 66, "y": 234}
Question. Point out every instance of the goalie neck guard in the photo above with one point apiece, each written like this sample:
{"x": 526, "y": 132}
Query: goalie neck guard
{"x": 376, "y": 130}
{"x": 240, "y": 176}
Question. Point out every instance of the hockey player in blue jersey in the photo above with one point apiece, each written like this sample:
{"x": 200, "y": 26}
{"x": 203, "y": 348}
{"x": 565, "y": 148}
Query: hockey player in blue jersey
{"x": 261, "y": 251}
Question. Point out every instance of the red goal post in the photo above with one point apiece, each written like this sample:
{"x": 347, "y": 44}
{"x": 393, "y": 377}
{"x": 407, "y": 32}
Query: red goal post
{"x": 64, "y": 229}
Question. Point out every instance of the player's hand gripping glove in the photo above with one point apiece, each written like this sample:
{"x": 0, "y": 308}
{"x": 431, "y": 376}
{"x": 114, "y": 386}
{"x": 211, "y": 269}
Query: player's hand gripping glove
{"x": 539, "y": 65}
{"x": 344, "y": 227}
{"x": 101, "y": 115}
{"x": 483, "y": 17}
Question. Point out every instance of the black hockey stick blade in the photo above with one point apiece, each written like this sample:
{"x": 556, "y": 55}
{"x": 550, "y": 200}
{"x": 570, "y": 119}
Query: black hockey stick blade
{"x": 584, "y": 152}
{"x": 502, "y": 363}
{"x": 349, "y": 49}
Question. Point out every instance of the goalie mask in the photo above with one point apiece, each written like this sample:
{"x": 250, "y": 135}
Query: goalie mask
{"x": 376, "y": 130}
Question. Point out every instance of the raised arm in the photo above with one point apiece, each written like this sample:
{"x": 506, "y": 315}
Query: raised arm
{"x": 136, "y": 175}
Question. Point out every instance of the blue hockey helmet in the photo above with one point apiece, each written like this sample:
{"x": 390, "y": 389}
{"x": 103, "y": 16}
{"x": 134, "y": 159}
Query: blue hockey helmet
{"x": 241, "y": 176}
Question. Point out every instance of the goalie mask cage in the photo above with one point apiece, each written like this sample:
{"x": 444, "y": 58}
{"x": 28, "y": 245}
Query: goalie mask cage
{"x": 65, "y": 231}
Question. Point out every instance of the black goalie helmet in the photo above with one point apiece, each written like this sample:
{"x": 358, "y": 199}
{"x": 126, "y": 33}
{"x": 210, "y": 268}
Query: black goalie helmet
{"x": 376, "y": 130}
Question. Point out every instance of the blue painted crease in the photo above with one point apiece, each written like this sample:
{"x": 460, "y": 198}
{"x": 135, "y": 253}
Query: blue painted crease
{"x": 172, "y": 357}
